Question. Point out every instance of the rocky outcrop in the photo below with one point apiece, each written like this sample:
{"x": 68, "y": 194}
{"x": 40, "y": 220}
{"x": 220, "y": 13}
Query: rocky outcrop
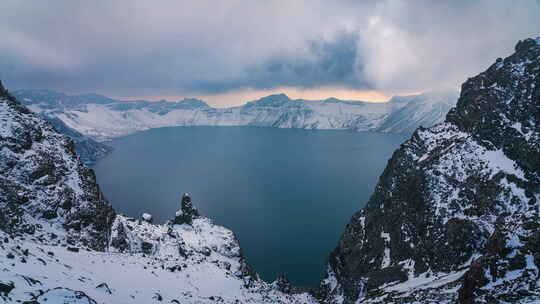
{"x": 45, "y": 190}
{"x": 454, "y": 216}
{"x": 187, "y": 212}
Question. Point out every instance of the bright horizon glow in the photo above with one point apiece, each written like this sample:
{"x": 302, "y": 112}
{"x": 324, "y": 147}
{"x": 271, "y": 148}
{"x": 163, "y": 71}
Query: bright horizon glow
{"x": 240, "y": 97}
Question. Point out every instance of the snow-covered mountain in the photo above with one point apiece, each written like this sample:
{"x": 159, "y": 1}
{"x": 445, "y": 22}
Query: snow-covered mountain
{"x": 103, "y": 118}
{"x": 424, "y": 110}
{"x": 62, "y": 242}
{"x": 455, "y": 217}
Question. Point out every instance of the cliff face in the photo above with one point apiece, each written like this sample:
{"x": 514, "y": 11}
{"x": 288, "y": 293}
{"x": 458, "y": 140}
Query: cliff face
{"x": 455, "y": 215}
{"x": 45, "y": 190}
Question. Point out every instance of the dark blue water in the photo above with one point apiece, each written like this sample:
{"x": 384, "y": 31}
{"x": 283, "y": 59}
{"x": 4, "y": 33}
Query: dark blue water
{"x": 286, "y": 193}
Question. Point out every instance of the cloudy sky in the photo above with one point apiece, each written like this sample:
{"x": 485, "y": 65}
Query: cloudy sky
{"x": 230, "y": 51}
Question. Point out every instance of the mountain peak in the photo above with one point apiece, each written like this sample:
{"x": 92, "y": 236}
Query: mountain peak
{"x": 278, "y": 96}
{"x": 194, "y": 102}
{"x": 528, "y": 43}
{"x": 502, "y": 105}
{"x": 274, "y": 100}
{"x": 332, "y": 100}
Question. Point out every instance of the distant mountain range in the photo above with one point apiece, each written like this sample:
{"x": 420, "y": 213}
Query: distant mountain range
{"x": 103, "y": 118}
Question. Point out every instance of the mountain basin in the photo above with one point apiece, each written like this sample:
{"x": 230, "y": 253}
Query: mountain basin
{"x": 286, "y": 193}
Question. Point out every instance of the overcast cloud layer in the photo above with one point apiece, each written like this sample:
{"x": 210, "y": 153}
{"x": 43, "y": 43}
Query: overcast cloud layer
{"x": 208, "y": 46}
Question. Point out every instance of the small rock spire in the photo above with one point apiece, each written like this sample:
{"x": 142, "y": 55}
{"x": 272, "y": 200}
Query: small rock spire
{"x": 3, "y": 90}
{"x": 187, "y": 211}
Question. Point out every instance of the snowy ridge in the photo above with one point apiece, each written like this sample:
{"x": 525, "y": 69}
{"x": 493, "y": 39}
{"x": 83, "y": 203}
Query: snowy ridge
{"x": 103, "y": 119}
{"x": 185, "y": 264}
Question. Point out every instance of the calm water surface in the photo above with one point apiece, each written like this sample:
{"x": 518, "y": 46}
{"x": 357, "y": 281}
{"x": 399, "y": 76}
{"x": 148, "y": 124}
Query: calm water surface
{"x": 286, "y": 193}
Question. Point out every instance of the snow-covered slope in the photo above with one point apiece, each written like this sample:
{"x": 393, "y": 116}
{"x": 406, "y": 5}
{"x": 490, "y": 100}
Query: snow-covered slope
{"x": 103, "y": 118}
{"x": 455, "y": 216}
{"x": 424, "y": 110}
{"x": 61, "y": 241}
{"x": 198, "y": 263}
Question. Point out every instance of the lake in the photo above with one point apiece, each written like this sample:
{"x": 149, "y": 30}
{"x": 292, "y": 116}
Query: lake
{"x": 286, "y": 193}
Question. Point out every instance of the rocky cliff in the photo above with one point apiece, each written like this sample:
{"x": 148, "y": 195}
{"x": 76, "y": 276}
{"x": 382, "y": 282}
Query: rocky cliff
{"x": 45, "y": 191}
{"x": 455, "y": 215}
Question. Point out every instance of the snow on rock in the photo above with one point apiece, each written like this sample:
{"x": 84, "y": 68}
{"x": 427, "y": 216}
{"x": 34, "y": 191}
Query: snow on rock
{"x": 45, "y": 190}
{"x": 147, "y": 217}
{"x": 108, "y": 277}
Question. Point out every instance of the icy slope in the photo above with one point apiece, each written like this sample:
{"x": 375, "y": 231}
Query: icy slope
{"x": 102, "y": 118}
{"x": 455, "y": 215}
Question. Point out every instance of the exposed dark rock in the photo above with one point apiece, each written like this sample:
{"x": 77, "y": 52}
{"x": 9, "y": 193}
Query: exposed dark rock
{"x": 65, "y": 295}
{"x": 5, "y": 287}
{"x": 146, "y": 247}
{"x": 41, "y": 176}
{"x": 104, "y": 287}
{"x": 157, "y": 297}
{"x": 282, "y": 284}
{"x": 187, "y": 212}
{"x": 72, "y": 249}
{"x": 119, "y": 239}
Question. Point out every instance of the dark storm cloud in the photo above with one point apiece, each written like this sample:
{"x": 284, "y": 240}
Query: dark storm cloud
{"x": 215, "y": 46}
{"x": 327, "y": 63}
{"x": 330, "y": 63}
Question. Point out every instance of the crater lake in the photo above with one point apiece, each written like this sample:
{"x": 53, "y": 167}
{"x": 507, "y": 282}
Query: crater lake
{"x": 286, "y": 193}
